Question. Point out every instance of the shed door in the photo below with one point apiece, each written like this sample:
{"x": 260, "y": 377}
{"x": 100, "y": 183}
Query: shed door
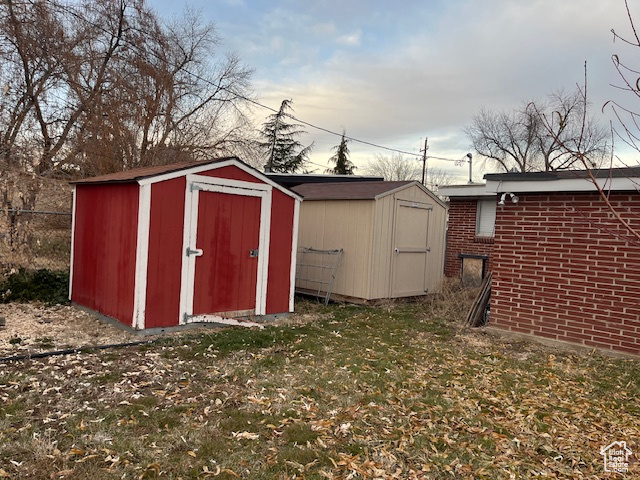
{"x": 226, "y": 272}
{"x": 226, "y": 251}
{"x": 410, "y": 239}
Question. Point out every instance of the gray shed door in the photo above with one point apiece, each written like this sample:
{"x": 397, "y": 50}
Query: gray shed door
{"x": 410, "y": 239}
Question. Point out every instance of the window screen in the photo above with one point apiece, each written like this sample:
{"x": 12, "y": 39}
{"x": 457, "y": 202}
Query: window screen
{"x": 486, "y": 217}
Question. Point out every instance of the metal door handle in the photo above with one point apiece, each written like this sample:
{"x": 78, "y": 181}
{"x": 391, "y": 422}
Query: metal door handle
{"x": 196, "y": 252}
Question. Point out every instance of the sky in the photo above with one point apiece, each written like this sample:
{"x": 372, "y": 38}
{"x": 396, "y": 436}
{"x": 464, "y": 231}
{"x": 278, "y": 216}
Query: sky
{"x": 395, "y": 73}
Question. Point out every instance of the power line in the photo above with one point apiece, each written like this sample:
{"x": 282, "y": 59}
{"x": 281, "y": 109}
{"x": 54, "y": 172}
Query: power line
{"x": 70, "y": 10}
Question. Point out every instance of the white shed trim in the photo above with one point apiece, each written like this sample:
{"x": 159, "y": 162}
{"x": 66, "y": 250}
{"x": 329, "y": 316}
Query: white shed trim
{"x": 214, "y": 166}
{"x": 142, "y": 257}
{"x": 73, "y": 237}
{"x": 294, "y": 255}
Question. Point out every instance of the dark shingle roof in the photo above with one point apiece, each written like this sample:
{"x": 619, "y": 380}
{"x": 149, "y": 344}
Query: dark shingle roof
{"x": 347, "y": 191}
{"x": 291, "y": 180}
{"x": 145, "y": 172}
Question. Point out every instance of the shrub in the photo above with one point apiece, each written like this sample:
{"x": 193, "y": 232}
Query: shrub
{"x": 35, "y": 285}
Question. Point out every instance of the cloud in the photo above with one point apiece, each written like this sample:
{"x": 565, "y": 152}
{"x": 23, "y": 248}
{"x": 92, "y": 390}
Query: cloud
{"x": 350, "y": 39}
{"x": 395, "y": 75}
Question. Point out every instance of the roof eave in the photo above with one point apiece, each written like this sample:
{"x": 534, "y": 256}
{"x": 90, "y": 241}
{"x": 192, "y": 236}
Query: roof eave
{"x": 562, "y": 185}
{"x": 468, "y": 190}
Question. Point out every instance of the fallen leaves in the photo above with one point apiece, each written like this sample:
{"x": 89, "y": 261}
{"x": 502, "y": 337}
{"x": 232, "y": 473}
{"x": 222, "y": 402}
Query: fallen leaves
{"x": 244, "y": 436}
{"x": 370, "y": 394}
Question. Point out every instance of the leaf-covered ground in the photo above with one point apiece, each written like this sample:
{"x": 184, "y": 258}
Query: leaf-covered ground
{"x": 361, "y": 393}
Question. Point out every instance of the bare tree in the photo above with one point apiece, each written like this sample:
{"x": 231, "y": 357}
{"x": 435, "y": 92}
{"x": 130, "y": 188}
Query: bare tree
{"x": 437, "y": 177}
{"x": 173, "y": 102}
{"x": 531, "y": 137}
{"x": 392, "y": 168}
{"x": 106, "y": 85}
{"x": 98, "y": 86}
{"x": 627, "y": 126}
{"x": 397, "y": 167}
{"x": 623, "y": 215}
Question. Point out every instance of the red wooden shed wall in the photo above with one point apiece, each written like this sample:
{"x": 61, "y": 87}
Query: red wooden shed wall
{"x": 279, "y": 281}
{"x": 104, "y": 257}
{"x": 565, "y": 269}
{"x": 166, "y": 255}
{"x": 281, "y": 237}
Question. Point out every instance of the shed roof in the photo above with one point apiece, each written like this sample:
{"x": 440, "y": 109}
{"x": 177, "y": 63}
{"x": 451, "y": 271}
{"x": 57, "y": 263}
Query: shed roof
{"x": 140, "y": 173}
{"x": 349, "y": 191}
{"x": 291, "y": 180}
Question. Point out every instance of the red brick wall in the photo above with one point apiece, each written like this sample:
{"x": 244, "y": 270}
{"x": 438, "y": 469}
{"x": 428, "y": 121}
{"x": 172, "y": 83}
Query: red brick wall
{"x": 461, "y": 236}
{"x": 565, "y": 269}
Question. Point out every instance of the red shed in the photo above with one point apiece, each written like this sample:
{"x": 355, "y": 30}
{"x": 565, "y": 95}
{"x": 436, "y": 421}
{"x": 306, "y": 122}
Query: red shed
{"x": 164, "y": 246}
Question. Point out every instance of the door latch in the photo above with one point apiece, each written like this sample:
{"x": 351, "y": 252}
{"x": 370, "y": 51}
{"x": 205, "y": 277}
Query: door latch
{"x": 196, "y": 252}
{"x": 253, "y": 253}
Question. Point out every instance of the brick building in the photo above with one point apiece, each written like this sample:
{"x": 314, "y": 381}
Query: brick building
{"x": 564, "y": 267}
{"x": 470, "y": 232}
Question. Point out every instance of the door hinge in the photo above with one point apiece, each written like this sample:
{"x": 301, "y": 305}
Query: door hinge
{"x": 197, "y": 252}
{"x": 195, "y": 187}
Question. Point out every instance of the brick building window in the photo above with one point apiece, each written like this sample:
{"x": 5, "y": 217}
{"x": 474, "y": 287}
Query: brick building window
{"x": 486, "y": 217}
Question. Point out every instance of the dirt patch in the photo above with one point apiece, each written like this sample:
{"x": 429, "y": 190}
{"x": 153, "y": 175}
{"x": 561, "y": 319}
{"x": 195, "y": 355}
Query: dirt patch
{"x": 33, "y": 328}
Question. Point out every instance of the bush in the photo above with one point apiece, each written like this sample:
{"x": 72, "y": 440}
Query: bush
{"x": 36, "y": 285}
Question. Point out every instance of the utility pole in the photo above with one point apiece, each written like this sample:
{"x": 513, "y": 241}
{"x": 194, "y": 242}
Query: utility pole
{"x": 424, "y": 160}
{"x": 470, "y": 157}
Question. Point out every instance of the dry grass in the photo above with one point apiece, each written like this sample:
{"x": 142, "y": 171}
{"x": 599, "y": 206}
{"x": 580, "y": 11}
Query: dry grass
{"x": 359, "y": 392}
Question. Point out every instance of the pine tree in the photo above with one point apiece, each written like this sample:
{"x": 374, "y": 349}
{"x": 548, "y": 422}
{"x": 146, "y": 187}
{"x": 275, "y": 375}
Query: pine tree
{"x": 343, "y": 166}
{"x": 284, "y": 153}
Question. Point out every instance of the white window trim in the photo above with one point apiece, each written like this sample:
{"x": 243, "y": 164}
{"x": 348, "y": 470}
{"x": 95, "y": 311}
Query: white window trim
{"x": 481, "y": 206}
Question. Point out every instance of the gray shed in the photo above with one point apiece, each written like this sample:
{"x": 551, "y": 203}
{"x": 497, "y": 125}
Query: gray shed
{"x": 392, "y": 235}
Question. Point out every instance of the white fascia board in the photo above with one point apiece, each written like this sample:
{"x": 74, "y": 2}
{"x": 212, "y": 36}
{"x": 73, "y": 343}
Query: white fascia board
{"x": 415, "y": 183}
{"x": 215, "y": 182}
{"x": 394, "y": 190}
{"x": 562, "y": 185}
{"x": 473, "y": 190}
{"x": 215, "y": 166}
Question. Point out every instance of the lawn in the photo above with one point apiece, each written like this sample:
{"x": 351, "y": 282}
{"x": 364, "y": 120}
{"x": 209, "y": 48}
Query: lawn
{"x": 360, "y": 392}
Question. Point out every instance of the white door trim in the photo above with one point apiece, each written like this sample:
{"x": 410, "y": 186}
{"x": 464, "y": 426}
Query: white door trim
{"x": 142, "y": 257}
{"x": 195, "y": 184}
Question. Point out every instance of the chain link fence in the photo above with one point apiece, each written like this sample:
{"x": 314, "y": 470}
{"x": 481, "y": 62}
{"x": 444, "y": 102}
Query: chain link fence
{"x": 35, "y": 225}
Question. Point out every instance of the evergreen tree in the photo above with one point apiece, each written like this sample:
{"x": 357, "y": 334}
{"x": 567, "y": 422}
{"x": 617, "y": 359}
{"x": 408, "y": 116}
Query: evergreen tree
{"x": 343, "y": 166}
{"x": 284, "y": 153}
